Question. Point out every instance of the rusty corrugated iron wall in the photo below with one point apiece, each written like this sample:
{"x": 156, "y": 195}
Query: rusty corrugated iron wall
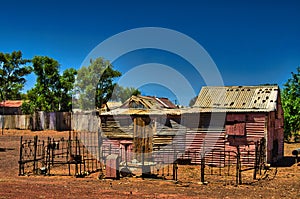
{"x": 254, "y": 131}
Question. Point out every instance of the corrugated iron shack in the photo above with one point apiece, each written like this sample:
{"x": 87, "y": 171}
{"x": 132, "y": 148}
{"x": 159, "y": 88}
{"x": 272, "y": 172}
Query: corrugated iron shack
{"x": 221, "y": 119}
{"x": 249, "y": 113}
{"x": 132, "y": 128}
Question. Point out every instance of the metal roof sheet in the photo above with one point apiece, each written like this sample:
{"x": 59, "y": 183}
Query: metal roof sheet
{"x": 238, "y": 98}
{"x": 148, "y": 102}
{"x": 11, "y": 103}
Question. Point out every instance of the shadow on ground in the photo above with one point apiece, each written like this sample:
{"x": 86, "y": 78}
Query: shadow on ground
{"x": 287, "y": 161}
{"x": 5, "y": 149}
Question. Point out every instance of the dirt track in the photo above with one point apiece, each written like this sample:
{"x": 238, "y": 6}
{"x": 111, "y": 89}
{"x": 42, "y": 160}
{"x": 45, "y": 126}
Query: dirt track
{"x": 286, "y": 183}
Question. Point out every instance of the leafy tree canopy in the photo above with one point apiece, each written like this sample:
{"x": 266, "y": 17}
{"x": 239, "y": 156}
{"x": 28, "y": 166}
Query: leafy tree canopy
{"x": 123, "y": 93}
{"x": 291, "y": 105}
{"x": 52, "y": 91}
{"x": 13, "y": 69}
{"x": 94, "y": 83}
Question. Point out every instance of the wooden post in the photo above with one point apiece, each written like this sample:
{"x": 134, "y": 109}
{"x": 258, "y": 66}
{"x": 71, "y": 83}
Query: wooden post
{"x": 174, "y": 171}
{"x": 255, "y": 161}
{"x": 175, "y": 166}
{"x": 52, "y": 151}
{"x": 75, "y": 156}
{"x": 238, "y": 167}
{"x": 84, "y": 158}
{"x": 134, "y": 137}
{"x": 143, "y": 161}
{"x": 99, "y": 144}
{"x": 69, "y": 153}
{"x": 80, "y": 160}
{"x": 21, "y": 158}
{"x": 34, "y": 153}
{"x": 48, "y": 154}
{"x": 43, "y": 154}
{"x": 202, "y": 169}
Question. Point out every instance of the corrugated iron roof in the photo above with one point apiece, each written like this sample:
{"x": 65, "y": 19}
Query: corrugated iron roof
{"x": 148, "y": 102}
{"x": 11, "y": 103}
{"x": 131, "y": 111}
{"x": 237, "y": 98}
{"x": 166, "y": 102}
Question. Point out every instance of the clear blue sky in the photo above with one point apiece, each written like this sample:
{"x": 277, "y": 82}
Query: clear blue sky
{"x": 252, "y": 42}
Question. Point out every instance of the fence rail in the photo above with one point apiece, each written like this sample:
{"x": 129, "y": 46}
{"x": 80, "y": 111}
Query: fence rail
{"x": 60, "y": 121}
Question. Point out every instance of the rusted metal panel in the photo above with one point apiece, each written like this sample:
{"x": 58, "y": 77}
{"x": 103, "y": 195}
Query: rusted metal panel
{"x": 112, "y": 166}
{"x": 232, "y": 117}
{"x": 236, "y": 129}
{"x": 254, "y": 131}
{"x": 126, "y": 150}
{"x": 237, "y": 140}
{"x": 202, "y": 141}
{"x": 110, "y": 146}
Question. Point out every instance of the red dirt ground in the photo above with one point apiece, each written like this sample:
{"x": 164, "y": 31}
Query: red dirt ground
{"x": 286, "y": 183}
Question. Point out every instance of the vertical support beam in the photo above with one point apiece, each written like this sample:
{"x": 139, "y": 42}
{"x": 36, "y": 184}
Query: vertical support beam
{"x": 69, "y": 153}
{"x": 255, "y": 161}
{"x": 52, "y": 151}
{"x": 261, "y": 155}
{"x": 175, "y": 167}
{"x": 79, "y": 152}
{"x": 99, "y": 136}
{"x": 34, "y": 154}
{"x": 134, "y": 137}
{"x": 43, "y": 154}
{"x": 202, "y": 169}
{"x": 143, "y": 161}
{"x": 76, "y": 156}
{"x": 238, "y": 167}
{"x": 266, "y": 137}
{"x": 48, "y": 155}
{"x": 21, "y": 157}
{"x": 3, "y": 119}
{"x": 84, "y": 159}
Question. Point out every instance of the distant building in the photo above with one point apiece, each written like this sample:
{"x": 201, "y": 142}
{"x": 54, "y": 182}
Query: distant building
{"x": 11, "y": 107}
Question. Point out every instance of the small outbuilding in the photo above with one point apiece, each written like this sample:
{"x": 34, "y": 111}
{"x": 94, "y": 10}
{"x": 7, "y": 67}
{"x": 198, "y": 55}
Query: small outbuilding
{"x": 11, "y": 107}
{"x": 250, "y": 113}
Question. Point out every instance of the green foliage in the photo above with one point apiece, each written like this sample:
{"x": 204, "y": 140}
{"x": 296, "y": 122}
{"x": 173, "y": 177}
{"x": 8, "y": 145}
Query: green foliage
{"x": 291, "y": 105}
{"x": 13, "y": 69}
{"x": 95, "y": 83}
{"x": 52, "y": 90}
{"x": 27, "y": 108}
{"x": 122, "y": 94}
{"x": 66, "y": 84}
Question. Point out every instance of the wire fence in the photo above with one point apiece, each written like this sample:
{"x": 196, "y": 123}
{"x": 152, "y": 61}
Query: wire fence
{"x": 57, "y": 157}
